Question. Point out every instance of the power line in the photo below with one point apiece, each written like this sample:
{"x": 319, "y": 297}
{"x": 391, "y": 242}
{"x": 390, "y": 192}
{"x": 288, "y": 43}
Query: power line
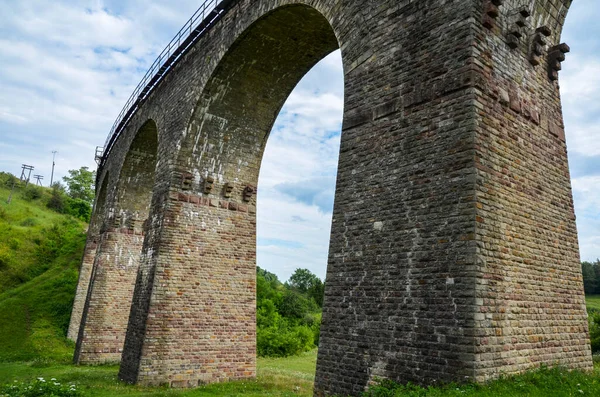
{"x": 39, "y": 178}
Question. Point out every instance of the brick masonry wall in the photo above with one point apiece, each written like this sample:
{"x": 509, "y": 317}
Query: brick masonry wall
{"x": 531, "y": 306}
{"x": 453, "y": 253}
{"x": 108, "y": 301}
{"x": 105, "y": 316}
{"x": 85, "y": 273}
{"x": 87, "y": 263}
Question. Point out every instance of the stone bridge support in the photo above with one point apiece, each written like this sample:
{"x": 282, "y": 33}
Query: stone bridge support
{"x": 453, "y": 252}
{"x": 106, "y": 311}
{"x": 87, "y": 263}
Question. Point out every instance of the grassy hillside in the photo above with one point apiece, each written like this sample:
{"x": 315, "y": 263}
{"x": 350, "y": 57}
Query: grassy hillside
{"x": 40, "y": 251}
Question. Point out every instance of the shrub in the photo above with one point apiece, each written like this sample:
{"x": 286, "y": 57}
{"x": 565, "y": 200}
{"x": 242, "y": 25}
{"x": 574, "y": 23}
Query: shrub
{"x": 5, "y": 258}
{"x": 14, "y": 244}
{"x": 284, "y": 341}
{"x": 32, "y": 193}
{"x": 58, "y": 199}
{"x": 28, "y": 222}
{"x": 7, "y": 180}
{"x": 79, "y": 208}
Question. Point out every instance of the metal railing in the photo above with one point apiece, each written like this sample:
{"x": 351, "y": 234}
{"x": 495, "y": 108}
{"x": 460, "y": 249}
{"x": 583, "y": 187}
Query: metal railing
{"x": 209, "y": 12}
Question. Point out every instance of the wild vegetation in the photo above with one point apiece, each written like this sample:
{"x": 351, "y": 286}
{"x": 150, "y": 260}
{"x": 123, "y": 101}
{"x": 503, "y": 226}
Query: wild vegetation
{"x": 41, "y": 245}
{"x": 40, "y": 251}
{"x": 288, "y": 315}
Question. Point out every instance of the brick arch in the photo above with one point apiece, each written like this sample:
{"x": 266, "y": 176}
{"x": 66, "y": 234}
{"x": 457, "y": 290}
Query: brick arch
{"x": 136, "y": 179}
{"x": 120, "y": 238}
{"x": 214, "y": 186}
{"x": 239, "y": 104}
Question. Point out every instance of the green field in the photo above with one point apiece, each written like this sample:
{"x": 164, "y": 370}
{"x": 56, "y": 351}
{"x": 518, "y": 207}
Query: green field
{"x": 276, "y": 377}
{"x": 592, "y": 302}
{"x": 293, "y": 376}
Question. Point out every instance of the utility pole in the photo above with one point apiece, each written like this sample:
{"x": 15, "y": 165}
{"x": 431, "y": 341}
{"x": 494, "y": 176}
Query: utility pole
{"x": 39, "y": 178}
{"x": 24, "y": 167}
{"x": 52, "y": 175}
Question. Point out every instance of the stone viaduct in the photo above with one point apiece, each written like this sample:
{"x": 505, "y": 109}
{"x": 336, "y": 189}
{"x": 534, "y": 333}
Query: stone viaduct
{"x": 453, "y": 251}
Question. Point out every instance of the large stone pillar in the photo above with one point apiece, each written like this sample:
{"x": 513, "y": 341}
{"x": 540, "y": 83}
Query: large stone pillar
{"x": 89, "y": 256}
{"x": 85, "y": 273}
{"x": 102, "y": 331}
{"x": 108, "y": 301}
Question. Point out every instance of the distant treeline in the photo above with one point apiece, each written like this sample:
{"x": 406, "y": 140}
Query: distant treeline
{"x": 591, "y": 277}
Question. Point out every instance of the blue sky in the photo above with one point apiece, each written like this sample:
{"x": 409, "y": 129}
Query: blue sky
{"x": 67, "y": 68}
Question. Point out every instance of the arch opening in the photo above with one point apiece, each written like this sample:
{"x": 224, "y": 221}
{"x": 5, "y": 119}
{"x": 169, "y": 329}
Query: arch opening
{"x": 214, "y": 186}
{"x": 580, "y": 88}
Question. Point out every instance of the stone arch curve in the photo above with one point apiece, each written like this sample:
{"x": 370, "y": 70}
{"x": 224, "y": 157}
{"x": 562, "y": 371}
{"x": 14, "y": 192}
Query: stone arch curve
{"x": 240, "y": 102}
{"x": 214, "y": 186}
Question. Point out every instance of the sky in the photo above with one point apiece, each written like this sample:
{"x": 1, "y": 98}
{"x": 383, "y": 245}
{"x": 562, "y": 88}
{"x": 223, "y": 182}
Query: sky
{"x": 68, "y": 66}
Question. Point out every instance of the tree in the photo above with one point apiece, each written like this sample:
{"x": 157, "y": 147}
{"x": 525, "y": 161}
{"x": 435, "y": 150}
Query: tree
{"x": 589, "y": 277}
{"x": 307, "y": 283}
{"x": 80, "y": 184}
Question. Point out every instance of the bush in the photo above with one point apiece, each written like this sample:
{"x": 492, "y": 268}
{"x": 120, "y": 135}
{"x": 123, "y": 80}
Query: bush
{"x": 28, "y": 222}
{"x": 284, "y": 341}
{"x": 79, "y": 208}
{"x": 58, "y": 199}
{"x": 5, "y": 258}
{"x": 32, "y": 193}
{"x": 7, "y": 180}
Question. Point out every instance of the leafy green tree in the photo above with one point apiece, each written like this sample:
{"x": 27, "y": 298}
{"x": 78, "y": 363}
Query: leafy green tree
{"x": 80, "y": 184}
{"x": 287, "y": 319}
{"x": 58, "y": 198}
{"x": 305, "y": 282}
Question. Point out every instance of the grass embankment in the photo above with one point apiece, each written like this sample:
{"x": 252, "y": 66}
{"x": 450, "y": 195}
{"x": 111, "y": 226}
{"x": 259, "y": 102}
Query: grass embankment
{"x": 40, "y": 252}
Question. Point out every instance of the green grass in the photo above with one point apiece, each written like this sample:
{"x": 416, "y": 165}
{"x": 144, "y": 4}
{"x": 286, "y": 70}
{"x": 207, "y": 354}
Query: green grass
{"x": 276, "y": 377}
{"x": 592, "y": 302}
{"x": 294, "y": 376}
